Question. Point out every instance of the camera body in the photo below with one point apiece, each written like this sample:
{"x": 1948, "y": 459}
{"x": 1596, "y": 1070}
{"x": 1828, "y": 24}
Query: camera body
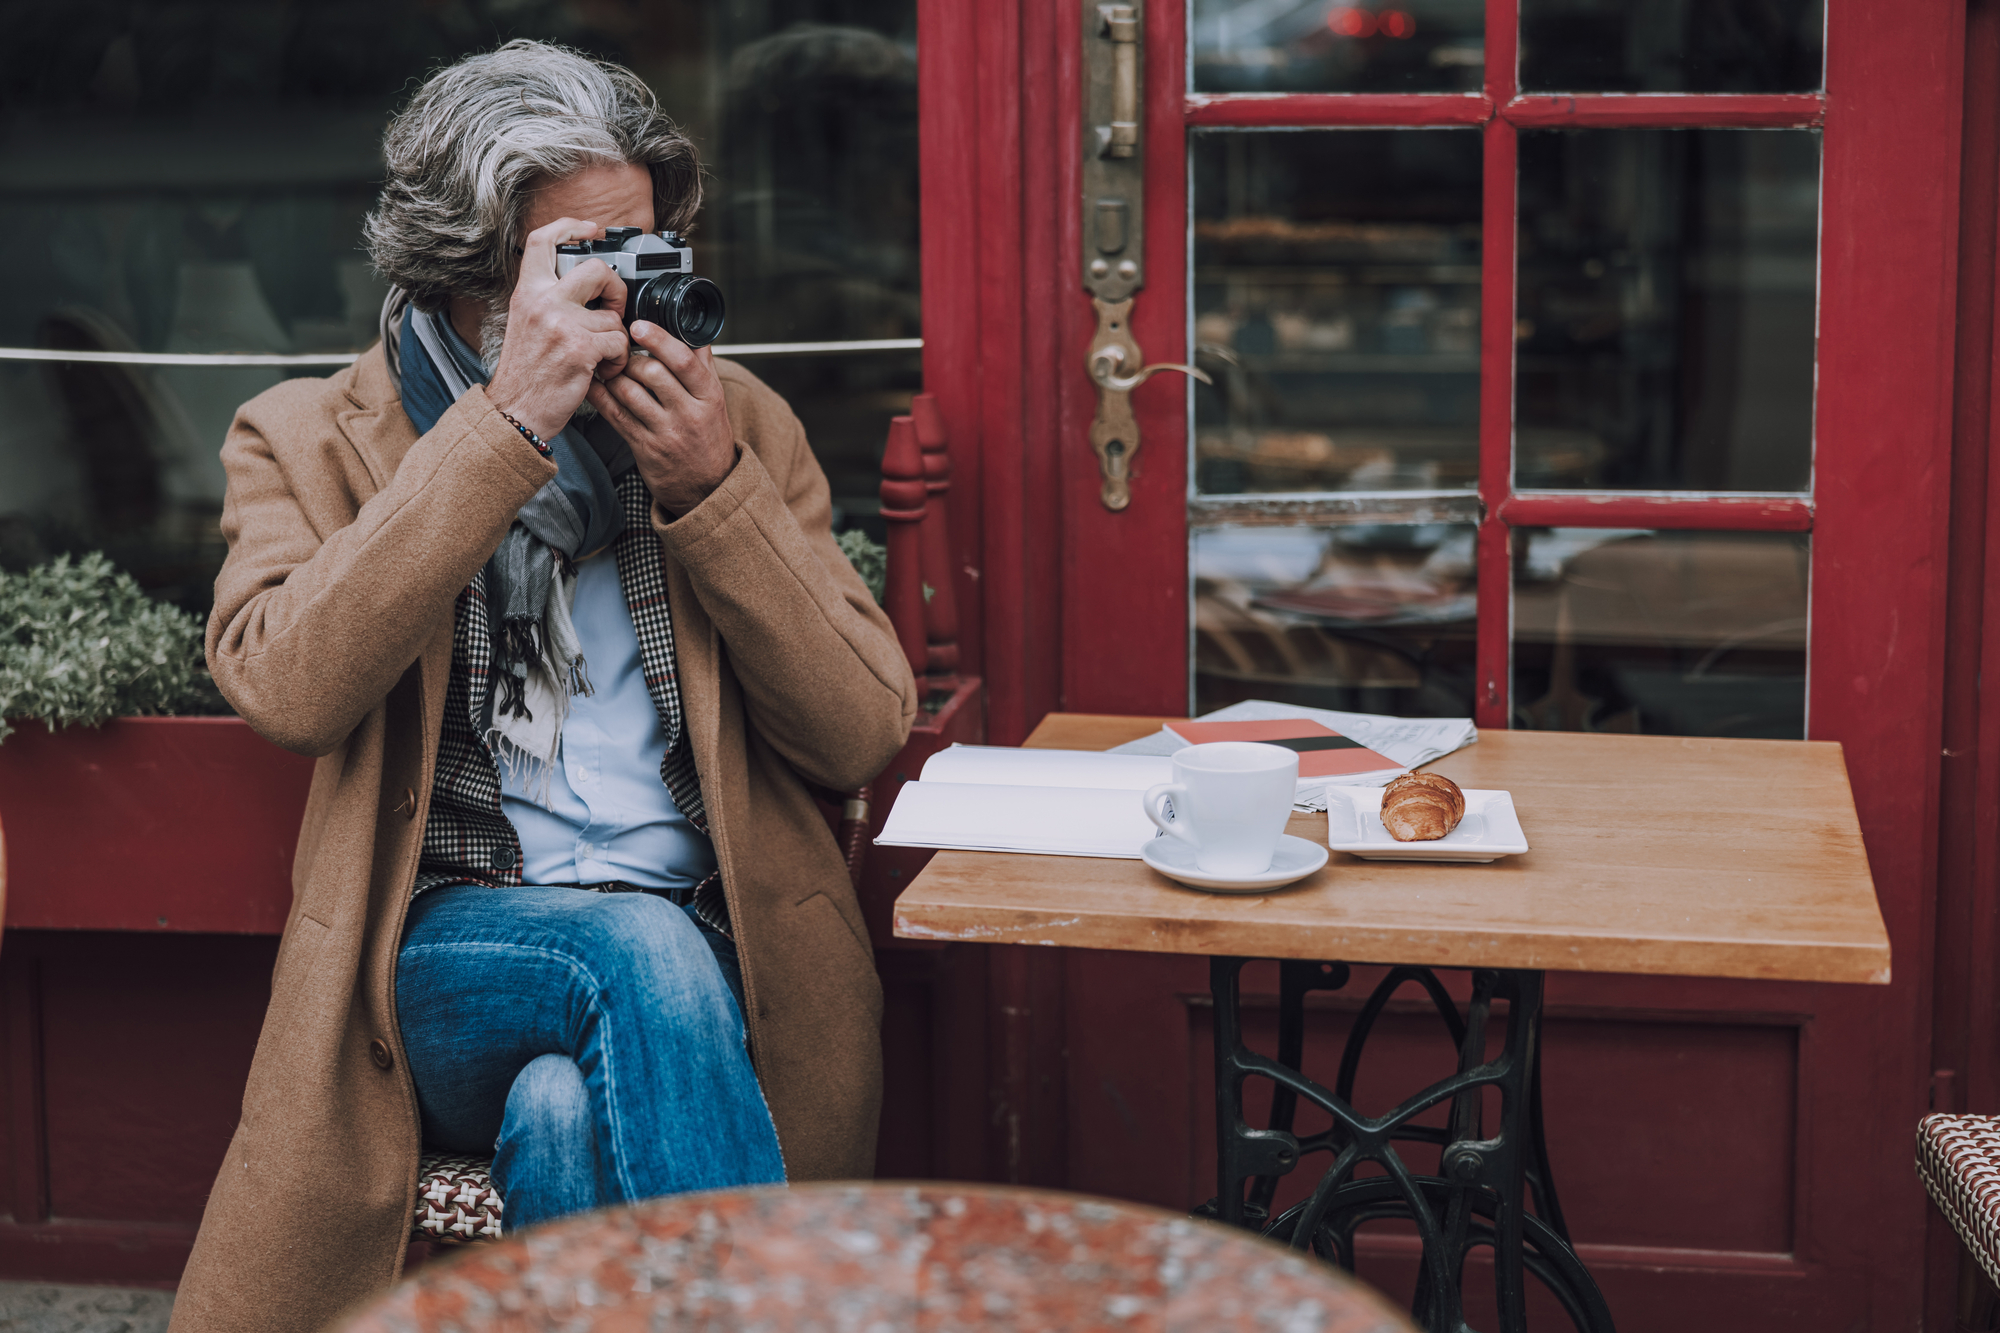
{"x": 660, "y": 285}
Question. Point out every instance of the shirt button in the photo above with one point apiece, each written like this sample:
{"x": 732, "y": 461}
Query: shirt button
{"x": 378, "y": 1051}
{"x": 503, "y": 858}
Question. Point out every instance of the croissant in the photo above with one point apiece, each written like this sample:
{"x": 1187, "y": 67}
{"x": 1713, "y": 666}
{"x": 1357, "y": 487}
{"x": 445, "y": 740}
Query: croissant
{"x": 1421, "y": 807}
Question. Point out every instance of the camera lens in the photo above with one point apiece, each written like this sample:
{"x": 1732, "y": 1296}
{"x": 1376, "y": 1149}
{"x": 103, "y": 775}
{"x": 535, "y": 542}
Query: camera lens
{"x": 688, "y": 307}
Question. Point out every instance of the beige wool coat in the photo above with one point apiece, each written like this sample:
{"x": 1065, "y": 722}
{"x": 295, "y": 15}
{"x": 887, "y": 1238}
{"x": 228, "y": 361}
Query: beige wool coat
{"x": 349, "y": 539}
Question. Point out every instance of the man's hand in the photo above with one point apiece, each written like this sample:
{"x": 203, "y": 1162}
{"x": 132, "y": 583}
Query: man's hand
{"x": 669, "y": 408}
{"x": 555, "y": 346}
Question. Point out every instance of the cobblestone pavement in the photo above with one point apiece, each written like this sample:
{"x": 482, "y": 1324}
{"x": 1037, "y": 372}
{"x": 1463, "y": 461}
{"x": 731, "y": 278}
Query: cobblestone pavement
{"x": 36, "y": 1307}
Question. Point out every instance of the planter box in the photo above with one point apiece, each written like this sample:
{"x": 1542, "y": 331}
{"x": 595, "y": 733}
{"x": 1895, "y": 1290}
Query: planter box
{"x": 150, "y": 823}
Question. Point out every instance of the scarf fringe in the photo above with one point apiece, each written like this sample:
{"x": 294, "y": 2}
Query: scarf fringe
{"x": 533, "y": 773}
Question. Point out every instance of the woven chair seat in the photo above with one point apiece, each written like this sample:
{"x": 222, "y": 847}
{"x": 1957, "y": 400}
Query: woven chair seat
{"x": 1958, "y": 1157}
{"x": 456, "y": 1201}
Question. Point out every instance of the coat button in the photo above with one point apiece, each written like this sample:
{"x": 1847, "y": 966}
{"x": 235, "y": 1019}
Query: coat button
{"x": 503, "y": 858}
{"x": 378, "y": 1051}
{"x": 407, "y": 807}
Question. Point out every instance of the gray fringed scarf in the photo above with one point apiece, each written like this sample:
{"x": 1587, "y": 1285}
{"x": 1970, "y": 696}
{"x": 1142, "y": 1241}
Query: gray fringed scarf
{"x": 538, "y": 663}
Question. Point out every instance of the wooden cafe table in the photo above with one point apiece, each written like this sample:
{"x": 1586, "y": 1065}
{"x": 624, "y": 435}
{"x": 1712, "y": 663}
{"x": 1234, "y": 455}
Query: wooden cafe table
{"x": 1650, "y": 854}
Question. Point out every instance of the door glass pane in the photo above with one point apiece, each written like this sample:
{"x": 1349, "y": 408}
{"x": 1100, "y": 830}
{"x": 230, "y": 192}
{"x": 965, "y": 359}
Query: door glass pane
{"x": 1672, "y": 46}
{"x": 1666, "y": 633}
{"x": 1337, "y": 46}
{"x": 192, "y": 177}
{"x": 1336, "y": 305}
{"x": 1374, "y": 618}
{"x": 1667, "y": 309}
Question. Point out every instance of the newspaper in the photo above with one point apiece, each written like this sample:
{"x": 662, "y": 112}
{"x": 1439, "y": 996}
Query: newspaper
{"x": 1410, "y": 741}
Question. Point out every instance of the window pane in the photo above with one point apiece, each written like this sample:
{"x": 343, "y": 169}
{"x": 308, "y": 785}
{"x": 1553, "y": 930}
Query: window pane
{"x": 1672, "y": 46}
{"x": 1666, "y": 633}
{"x": 1667, "y": 308}
{"x": 1373, "y": 618}
{"x": 1336, "y": 303}
{"x": 1338, "y": 46}
{"x": 191, "y": 178}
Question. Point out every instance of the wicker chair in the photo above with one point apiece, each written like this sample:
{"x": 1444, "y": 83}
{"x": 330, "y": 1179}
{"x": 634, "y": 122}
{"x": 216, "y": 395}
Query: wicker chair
{"x": 1958, "y": 1159}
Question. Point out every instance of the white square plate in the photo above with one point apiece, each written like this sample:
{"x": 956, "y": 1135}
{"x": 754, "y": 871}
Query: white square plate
{"x": 1490, "y": 829}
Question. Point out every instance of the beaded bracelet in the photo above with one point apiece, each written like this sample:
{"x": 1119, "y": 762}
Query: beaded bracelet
{"x": 540, "y": 447}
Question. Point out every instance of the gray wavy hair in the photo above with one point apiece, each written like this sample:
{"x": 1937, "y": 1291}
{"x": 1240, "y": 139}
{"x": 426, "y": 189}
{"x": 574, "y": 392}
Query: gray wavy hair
{"x": 480, "y": 134}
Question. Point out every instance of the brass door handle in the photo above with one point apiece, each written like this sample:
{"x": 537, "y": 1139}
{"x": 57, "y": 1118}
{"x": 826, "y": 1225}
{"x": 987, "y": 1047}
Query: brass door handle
{"x": 1114, "y": 231}
{"x": 1114, "y": 433}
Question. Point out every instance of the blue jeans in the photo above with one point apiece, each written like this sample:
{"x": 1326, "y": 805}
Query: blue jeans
{"x": 590, "y": 1041}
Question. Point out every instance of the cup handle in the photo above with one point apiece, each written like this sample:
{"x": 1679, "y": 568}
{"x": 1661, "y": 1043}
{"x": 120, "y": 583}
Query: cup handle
{"x": 1174, "y": 828}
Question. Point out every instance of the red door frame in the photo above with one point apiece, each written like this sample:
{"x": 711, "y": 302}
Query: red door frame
{"x": 1965, "y": 979}
{"x": 1087, "y": 610}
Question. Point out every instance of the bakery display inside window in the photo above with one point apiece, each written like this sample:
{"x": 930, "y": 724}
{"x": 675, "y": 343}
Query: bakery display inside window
{"x": 1336, "y": 308}
{"x": 1662, "y": 633}
{"x": 1667, "y": 308}
{"x": 1359, "y": 617}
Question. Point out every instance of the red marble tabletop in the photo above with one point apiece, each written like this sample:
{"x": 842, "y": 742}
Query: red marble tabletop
{"x": 881, "y": 1257}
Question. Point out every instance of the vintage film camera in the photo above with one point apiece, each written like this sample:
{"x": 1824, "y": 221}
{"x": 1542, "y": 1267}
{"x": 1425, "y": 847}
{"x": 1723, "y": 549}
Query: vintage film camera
{"x": 660, "y": 284}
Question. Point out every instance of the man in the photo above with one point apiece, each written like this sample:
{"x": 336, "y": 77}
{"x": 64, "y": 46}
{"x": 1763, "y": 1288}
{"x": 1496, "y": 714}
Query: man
{"x": 568, "y": 630}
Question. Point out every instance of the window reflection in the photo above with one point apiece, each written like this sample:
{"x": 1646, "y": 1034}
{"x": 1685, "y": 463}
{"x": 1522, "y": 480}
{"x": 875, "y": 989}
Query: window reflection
{"x": 1336, "y": 304}
{"x": 1666, "y": 633}
{"x": 191, "y": 178}
{"x": 1672, "y": 46}
{"x": 1337, "y": 46}
{"x": 1363, "y": 618}
{"x": 1667, "y": 307}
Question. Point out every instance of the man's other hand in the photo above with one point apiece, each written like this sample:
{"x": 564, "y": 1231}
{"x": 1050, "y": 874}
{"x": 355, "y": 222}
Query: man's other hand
{"x": 556, "y": 347}
{"x": 669, "y": 408}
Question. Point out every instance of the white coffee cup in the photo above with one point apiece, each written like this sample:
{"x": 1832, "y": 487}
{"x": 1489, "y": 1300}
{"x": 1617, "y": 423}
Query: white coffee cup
{"x": 1231, "y": 800}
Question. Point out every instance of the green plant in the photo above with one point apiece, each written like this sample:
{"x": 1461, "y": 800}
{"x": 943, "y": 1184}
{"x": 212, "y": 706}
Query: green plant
{"x": 81, "y": 642}
{"x": 870, "y": 560}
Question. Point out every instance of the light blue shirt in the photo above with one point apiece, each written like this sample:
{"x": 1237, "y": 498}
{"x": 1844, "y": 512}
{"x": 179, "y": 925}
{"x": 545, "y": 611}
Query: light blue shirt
{"x": 610, "y": 817}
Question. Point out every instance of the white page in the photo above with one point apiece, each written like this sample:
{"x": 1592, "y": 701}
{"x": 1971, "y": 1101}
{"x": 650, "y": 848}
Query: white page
{"x": 1121, "y": 768}
{"x": 1006, "y": 765}
{"x": 988, "y": 817}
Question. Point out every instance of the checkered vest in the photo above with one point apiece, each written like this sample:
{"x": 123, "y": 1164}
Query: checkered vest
{"x": 467, "y": 838}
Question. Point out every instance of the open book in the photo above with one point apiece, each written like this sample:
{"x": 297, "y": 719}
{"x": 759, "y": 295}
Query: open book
{"x": 988, "y": 798}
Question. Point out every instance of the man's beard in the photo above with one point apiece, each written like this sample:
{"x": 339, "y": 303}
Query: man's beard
{"x": 493, "y": 336}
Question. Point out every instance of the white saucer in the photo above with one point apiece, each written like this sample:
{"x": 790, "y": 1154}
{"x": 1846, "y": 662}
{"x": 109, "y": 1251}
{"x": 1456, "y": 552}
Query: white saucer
{"x": 1295, "y": 859}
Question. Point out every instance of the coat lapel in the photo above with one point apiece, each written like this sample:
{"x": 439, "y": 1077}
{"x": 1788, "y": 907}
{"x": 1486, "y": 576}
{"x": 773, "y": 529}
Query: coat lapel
{"x": 378, "y": 428}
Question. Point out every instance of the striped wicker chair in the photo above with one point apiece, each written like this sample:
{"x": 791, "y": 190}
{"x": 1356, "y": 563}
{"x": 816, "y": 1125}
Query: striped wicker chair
{"x": 456, "y": 1201}
{"x": 1958, "y": 1159}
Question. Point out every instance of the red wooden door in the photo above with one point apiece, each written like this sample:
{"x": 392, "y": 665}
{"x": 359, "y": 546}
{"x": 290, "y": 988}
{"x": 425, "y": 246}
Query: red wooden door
{"x": 1578, "y": 365}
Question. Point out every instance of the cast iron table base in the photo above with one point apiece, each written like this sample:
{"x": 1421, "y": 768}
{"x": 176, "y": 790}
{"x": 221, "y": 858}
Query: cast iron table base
{"x": 1481, "y": 1193}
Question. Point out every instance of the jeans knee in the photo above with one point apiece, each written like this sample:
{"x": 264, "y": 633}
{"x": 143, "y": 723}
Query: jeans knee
{"x": 548, "y": 1100}
{"x": 649, "y": 942}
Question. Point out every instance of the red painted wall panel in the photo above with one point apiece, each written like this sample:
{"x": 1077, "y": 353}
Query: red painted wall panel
{"x": 147, "y": 1043}
{"x": 184, "y": 824}
{"x": 1673, "y": 1132}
